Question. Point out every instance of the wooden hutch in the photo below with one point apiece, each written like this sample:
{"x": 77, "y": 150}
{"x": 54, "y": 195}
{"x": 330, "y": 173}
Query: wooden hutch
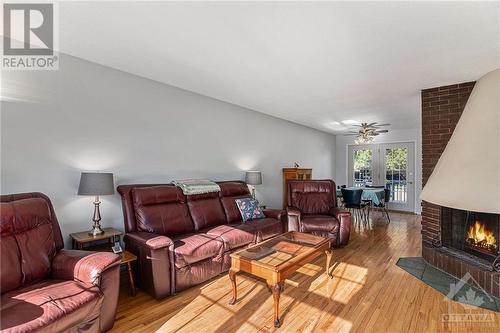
{"x": 294, "y": 173}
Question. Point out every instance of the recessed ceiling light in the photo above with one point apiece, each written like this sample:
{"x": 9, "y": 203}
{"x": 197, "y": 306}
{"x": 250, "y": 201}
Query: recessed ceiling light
{"x": 350, "y": 122}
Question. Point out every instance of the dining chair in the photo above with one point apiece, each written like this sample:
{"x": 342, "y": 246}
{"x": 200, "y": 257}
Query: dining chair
{"x": 352, "y": 201}
{"x": 383, "y": 204}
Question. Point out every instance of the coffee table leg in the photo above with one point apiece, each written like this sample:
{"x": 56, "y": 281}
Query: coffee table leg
{"x": 232, "y": 277}
{"x": 278, "y": 287}
{"x": 329, "y": 254}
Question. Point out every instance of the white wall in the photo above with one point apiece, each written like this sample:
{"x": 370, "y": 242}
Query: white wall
{"x": 87, "y": 117}
{"x": 408, "y": 135}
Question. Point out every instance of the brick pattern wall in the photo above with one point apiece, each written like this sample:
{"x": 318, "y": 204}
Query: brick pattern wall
{"x": 441, "y": 110}
{"x": 488, "y": 280}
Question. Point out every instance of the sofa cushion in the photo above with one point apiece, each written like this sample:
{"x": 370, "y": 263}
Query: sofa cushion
{"x": 229, "y": 192}
{"x": 189, "y": 249}
{"x": 266, "y": 228}
{"x": 161, "y": 210}
{"x": 231, "y": 210}
{"x": 51, "y": 305}
{"x": 206, "y": 210}
{"x": 233, "y": 235}
{"x": 249, "y": 209}
{"x": 233, "y": 188}
{"x": 324, "y": 223}
{"x": 197, "y": 273}
{"x": 27, "y": 242}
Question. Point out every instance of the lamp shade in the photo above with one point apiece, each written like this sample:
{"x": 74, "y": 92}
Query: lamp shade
{"x": 253, "y": 177}
{"x": 467, "y": 175}
{"x": 94, "y": 183}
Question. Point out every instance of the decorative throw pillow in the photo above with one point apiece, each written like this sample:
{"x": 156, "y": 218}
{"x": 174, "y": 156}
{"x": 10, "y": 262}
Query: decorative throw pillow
{"x": 249, "y": 209}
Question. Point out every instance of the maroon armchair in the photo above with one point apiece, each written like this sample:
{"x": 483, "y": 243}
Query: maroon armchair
{"x": 312, "y": 208}
{"x": 45, "y": 288}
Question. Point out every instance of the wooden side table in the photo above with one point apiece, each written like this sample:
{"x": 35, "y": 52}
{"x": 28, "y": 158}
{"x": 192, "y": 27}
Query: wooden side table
{"x": 81, "y": 240}
{"x": 104, "y": 242}
{"x": 127, "y": 259}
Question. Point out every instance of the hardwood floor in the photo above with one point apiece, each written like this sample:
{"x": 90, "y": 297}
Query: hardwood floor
{"x": 368, "y": 293}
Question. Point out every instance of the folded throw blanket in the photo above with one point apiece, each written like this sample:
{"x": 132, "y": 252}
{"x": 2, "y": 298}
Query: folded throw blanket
{"x": 196, "y": 186}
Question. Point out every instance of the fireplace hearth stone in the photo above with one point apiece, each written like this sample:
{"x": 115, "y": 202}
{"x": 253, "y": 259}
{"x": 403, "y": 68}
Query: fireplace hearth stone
{"x": 442, "y": 281}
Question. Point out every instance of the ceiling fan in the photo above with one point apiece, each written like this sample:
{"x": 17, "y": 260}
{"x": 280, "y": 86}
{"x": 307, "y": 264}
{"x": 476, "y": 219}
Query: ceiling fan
{"x": 366, "y": 132}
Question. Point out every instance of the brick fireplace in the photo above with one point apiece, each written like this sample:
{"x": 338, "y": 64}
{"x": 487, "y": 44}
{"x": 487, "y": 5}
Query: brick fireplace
{"x": 441, "y": 110}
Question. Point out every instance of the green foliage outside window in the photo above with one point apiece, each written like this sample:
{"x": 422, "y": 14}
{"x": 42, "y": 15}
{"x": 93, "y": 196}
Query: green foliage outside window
{"x": 396, "y": 159}
{"x": 362, "y": 159}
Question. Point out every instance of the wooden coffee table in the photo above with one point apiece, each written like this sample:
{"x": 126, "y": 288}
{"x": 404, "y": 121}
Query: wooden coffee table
{"x": 290, "y": 251}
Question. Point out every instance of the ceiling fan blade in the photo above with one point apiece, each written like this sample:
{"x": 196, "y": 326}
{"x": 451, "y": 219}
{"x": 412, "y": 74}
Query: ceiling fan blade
{"x": 351, "y": 134}
{"x": 371, "y": 124}
{"x": 381, "y": 131}
{"x": 378, "y": 125}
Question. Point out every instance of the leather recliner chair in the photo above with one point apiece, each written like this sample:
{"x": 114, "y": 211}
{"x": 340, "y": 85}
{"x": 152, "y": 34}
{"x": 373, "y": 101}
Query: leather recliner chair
{"x": 45, "y": 288}
{"x": 312, "y": 208}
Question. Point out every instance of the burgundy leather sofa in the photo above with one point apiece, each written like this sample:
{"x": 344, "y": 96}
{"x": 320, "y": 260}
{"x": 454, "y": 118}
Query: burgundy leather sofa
{"x": 181, "y": 241}
{"x": 45, "y": 288}
{"x": 312, "y": 208}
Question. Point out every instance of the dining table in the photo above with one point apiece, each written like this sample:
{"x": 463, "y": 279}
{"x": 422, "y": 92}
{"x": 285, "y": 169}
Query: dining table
{"x": 373, "y": 194}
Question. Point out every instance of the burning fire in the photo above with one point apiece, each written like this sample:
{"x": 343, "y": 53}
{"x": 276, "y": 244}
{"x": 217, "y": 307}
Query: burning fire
{"x": 479, "y": 236}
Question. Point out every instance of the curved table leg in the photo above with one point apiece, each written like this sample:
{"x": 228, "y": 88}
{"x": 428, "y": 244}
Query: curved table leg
{"x": 232, "y": 277}
{"x": 277, "y": 289}
{"x": 329, "y": 254}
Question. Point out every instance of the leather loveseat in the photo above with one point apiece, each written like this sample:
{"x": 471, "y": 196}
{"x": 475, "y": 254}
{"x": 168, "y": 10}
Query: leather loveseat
{"x": 181, "y": 241}
{"x": 312, "y": 208}
{"x": 45, "y": 288}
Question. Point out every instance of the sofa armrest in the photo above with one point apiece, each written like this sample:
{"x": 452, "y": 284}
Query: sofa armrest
{"x": 149, "y": 240}
{"x": 273, "y": 213}
{"x": 293, "y": 217}
{"x": 155, "y": 262}
{"x": 344, "y": 218}
{"x": 83, "y": 266}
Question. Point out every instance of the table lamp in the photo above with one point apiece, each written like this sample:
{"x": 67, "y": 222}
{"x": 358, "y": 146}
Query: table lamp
{"x": 96, "y": 184}
{"x": 253, "y": 178}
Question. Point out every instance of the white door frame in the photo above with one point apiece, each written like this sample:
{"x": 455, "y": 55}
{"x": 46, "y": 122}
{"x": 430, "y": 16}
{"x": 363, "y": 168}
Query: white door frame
{"x": 415, "y": 173}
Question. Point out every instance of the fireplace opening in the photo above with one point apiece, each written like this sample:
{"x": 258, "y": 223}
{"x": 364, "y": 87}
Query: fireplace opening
{"x": 481, "y": 236}
{"x": 472, "y": 232}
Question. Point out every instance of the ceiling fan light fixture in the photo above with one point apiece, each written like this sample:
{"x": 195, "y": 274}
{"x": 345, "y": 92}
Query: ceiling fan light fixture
{"x": 364, "y": 139}
{"x": 367, "y": 132}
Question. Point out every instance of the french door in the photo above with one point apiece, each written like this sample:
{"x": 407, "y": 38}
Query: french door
{"x": 387, "y": 164}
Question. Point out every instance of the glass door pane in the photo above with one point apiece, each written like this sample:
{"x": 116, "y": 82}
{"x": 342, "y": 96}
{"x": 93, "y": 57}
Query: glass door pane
{"x": 387, "y": 164}
{"x": 362, "y": 167}
{"x": 396, "y": 171}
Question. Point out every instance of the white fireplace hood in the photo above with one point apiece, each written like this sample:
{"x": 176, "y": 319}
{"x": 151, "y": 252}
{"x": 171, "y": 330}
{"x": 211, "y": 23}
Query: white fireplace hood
{"x": 467, "y": 175}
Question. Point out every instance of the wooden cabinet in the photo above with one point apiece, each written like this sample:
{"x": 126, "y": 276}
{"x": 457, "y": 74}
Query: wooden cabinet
{"x": 294, "y": 173}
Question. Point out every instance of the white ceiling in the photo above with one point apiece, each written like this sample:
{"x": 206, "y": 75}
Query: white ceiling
{"x": 311, "y": 63}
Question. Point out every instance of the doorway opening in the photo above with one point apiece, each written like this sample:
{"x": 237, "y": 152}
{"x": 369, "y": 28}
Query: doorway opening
{"x": 387, "y": 164}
